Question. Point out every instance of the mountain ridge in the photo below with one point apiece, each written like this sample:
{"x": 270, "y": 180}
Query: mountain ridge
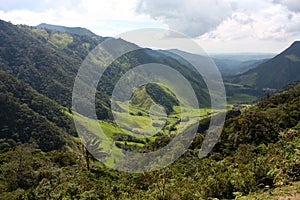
{"x": 72, "y": 30}
{"x": 276, "y": 72}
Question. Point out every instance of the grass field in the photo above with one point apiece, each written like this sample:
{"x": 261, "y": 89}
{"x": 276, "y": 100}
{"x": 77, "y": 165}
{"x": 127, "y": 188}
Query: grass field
{"x": 241, "y": 98}
{"x": 139, "y": 121}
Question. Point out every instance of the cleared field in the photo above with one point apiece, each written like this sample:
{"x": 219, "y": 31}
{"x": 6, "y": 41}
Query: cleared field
{"x": 241, "y": 98}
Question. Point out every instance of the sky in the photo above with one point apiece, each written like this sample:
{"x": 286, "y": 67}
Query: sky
{"x": 218, "y": 26}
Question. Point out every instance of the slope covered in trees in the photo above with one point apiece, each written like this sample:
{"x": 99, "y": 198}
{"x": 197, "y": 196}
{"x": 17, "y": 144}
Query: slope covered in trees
{"x": 48, "y": 61}
{"x": 27, "y": 116}
{"x": 276, "y": 72}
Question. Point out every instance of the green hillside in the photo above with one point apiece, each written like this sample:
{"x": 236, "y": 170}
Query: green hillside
{"x": 74, "y": 30}
{"x": 27, "y": 116}
{"x": 48, "y": 61}
{"x": 276, "y": 72}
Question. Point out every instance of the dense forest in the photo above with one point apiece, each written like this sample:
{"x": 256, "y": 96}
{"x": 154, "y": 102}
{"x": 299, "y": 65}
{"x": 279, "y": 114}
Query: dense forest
{"x": 258, "y": 151}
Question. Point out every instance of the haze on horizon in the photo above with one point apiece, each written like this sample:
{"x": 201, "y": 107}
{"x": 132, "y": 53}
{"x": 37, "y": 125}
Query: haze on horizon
{"x": 218, "y": 26}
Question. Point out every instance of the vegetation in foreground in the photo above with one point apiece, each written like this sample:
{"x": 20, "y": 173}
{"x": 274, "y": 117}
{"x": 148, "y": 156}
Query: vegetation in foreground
{"x": 258, "y": 151}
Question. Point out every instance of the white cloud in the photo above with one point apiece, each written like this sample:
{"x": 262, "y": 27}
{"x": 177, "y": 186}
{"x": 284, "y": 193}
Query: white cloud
{"x": 221, "y": 22}
{"x": 272, "y": 23}
{"x": 227, "y": 19}
{"x": 101, "y": 16}
{"x": 191, "y": 17}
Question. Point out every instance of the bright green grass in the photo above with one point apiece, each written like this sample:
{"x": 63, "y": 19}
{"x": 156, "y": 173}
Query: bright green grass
{"x": 293, "y": 58}
{"x": 142, "y": 127}
{"x": 61, "y": 40}
{"x": 132, "y": 143}
{"x": 41, "y": 32}
{"x": 241, "y": 98}
{"x": 141, "y": 99}
{"x": 110, "y": 129}
{"x": 92, "y": 126}
{"x": 233, "y": 84}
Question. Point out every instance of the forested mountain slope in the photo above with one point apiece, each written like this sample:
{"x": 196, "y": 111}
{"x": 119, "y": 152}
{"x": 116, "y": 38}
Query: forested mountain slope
{"x": 49, "y": 60}
{"x": 276, "y": 72}
{"x": 27, "y": 116}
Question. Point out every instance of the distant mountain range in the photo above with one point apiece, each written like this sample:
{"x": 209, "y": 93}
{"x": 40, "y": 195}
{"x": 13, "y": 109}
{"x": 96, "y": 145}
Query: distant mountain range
{"x": 234, "y": 67}
{"x": 243, "y": 57}
{"x": 228, "y": 64}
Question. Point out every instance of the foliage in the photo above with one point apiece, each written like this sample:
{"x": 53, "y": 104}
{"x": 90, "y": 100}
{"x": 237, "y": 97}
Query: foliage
{"x": 27, "y": 116}
{"x": 252, "y": 162}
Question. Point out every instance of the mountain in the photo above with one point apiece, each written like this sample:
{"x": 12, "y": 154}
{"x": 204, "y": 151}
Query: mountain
{"x": 234, "y": 67}
{"x": 48, "y": 61}
{"x": 71, "y": 30}
{"x": 243, "y": 57}
{"x": 236, "y": 93}
{"x": 276, "y": 72}
{"x": 238, "y": 63}
{"x": 228, "y": 64}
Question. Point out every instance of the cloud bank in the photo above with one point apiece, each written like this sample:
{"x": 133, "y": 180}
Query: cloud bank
{"x": 213, "y": 22}
{"x": 227, "y": 19}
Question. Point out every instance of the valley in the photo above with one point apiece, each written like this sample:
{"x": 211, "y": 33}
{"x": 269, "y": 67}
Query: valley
{"x": 44, "y": 156}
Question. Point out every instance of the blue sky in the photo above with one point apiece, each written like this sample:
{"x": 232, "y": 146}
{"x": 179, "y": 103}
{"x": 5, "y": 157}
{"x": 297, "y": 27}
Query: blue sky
{"x": 219, "y": 26}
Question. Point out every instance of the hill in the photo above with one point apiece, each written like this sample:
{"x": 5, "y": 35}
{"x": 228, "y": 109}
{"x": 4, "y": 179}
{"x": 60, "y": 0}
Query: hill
{"x": 276, "y": 72}
{"x": 42, "y": 59}
{"x": 49, "y": 60}
{"x": 73, "y": 30}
